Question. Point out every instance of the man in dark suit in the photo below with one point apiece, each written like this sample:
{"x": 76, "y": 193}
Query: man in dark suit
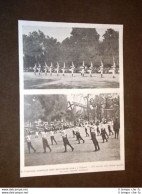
{"x": 93, "y": 130}
{"x": 116, "y": 127}
{"x": 104, "y": 133}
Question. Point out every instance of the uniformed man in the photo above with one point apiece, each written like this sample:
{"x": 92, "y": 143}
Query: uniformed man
{"x": 98, "y": 129}
{"x": 63, "y": 69}
{"x": 101, "y": 69}
{"x": 39, "y": 69}
{"x": 90, "y": 69}
{"x": 94, "y": 139}
{"x": 65, "y": 139}
{"x": 113, "y": 68}
{"x": 73, "y": 132}
{"x": 86, "y": 129}
{"x": 35, "y": 69}
{"x": 57, "y": 68}
{"x": 72, "y": 69}
{"x": 46, "y": 69}
{"x": 29, "y": 144}
{"x": 113, "y": 71}
{"x": 44, "y": 141}
{"x": 52, "y": 137}
{"x": 104, "y": 133}
{"x": 106, "y": 128}
{"x": 36, "y": 133}
{"x": 109, "y": 128}
{"x": 111, "y": 125}
{"x": 78, "y": 135}
{"x": 83, "y": 69}
{"x": 116, "y": 127}
{"x": 50, "y": 69}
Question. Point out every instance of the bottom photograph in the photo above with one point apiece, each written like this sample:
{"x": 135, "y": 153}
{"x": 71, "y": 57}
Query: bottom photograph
{"x": 65, "y": 129}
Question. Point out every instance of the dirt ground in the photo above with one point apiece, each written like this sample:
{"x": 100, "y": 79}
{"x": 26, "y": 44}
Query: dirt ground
{"x": 109, "y": 151}
{"x": 43, "y": 81}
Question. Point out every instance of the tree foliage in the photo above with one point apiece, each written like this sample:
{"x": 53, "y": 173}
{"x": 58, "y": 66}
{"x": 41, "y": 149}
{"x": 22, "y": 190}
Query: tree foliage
{"x": 55, "y": 107}
{"x": 110, "y": 46}
{"x": 48, "y": 108}
{"x": 82, "y": 45}
{"x": 103, "y": 103}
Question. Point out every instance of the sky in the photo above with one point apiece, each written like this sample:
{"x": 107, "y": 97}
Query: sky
{"x": 80, "y": 97}
{"x": 76, "y": 98}
{"x": 60, "y": 33}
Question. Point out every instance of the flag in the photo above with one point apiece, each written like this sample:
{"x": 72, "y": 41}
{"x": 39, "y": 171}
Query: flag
{"x": 91, "y": 64}
{"x": 83, "y": 63}
{"x": 64, "y": 65}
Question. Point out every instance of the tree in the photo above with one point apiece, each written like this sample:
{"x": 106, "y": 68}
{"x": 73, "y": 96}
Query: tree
{"x": 45, "y": 107}
{"x": 81, "y": 46}
{"x": 33, "y": 109}
{"x": 38, "y": 48}
{"x": 110, "y": 46}
{"x": 55, "y": 106}
{"x": 103, "y": 102}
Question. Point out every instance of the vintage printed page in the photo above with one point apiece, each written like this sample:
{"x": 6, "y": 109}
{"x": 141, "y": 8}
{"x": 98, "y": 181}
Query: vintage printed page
{"x": 71, "y": 98}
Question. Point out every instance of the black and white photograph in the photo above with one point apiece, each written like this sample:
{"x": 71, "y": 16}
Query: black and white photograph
{"x": 67, "y": 56}
{"x": 71, "y": 98}
{"x": 71, "y": 128}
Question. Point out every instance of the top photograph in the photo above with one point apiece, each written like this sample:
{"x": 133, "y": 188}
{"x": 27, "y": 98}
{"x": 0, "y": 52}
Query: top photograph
{"x": 70, "y": 55}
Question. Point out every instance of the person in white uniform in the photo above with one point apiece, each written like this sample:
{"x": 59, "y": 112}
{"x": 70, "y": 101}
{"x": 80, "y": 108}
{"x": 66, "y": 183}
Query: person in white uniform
{"x": 101, "y": 69}
{"x": 45, "y": 69}
{"x": 83, "y": 69}
{"x": 57, "y": 68}
{"x": 50, "y": 69}
{"x": 39, "y": 69}
{"x": 29, "y": 144}
{"x": 44, "y": 141}
{"x": 35, "y": 69}
{"x": 90, "y": 69}
{"x": 113, "y": 68}
{"x": 72, "y": 69}
{"x": 65, "y": 139}
{"x": 63, "y": 69}
{"x": 78, "y": 135}
{"x": 52, "y": 137}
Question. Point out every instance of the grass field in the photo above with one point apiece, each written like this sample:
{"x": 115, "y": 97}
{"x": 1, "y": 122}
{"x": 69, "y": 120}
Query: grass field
{"x": 43, "y": 81}
{"x": 82, "y": 152}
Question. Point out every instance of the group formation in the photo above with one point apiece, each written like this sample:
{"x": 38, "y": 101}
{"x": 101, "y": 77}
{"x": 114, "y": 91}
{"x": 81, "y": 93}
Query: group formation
{"x": 83, "y": 69}
{"x": 92, "y": 130}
